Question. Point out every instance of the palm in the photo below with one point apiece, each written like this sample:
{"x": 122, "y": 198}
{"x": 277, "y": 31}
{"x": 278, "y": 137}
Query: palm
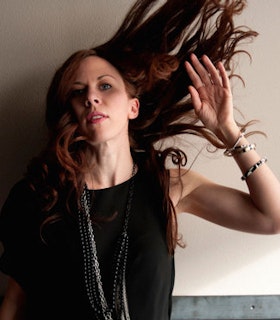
{"x": 211, "y": 93}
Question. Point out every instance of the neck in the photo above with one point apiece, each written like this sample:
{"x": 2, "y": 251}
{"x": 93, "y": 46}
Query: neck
{"x": 108, "y": 168}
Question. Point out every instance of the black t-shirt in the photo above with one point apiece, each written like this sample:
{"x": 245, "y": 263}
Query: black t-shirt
{"x": 52, "y": 274}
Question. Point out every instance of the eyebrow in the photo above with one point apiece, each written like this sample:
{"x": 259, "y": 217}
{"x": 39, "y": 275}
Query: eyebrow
{"x": 98, "y": 78}
{"x": 105, "y": 75}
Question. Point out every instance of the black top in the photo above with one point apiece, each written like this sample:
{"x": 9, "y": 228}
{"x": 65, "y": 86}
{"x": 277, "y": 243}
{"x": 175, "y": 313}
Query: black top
{"x": 53, "y": 275}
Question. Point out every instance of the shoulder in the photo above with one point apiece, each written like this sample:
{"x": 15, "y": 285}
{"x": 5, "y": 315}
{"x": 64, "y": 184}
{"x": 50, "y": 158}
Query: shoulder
{"x": 21, "y": 191}
{"x": 183, "y": 183}
{"x": 20, "y": 199}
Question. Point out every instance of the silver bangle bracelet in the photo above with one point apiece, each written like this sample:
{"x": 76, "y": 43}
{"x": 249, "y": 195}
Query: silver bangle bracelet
{"x": 229, "y": 152}
{"x": 253, "y": 168}
{"x": 240, "y": 149}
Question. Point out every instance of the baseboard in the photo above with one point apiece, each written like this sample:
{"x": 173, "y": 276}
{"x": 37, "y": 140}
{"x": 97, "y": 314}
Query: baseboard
{"x": 258, "y": 307}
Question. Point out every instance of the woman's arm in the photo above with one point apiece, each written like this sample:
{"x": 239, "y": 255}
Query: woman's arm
{"x": 254, "y": 212}
{"x": 13, "y": 304}
{"x": 257, "y": 211}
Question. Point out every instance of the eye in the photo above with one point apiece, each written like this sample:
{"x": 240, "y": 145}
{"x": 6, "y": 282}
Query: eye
{"x": 78, "y": 92}
{"x": 105, "y": 86}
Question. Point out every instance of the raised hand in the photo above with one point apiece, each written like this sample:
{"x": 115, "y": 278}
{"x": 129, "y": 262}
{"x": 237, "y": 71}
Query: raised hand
{"x": 211, "y": 95}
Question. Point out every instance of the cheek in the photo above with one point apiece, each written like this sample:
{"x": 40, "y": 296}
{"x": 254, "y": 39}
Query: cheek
{"x": 78, "y": 114}
{"x": 124, "y": 103}
{"x": 76, "y": 106}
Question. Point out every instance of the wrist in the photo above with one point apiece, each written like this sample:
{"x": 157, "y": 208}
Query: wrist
{"x": 230, "y": 135}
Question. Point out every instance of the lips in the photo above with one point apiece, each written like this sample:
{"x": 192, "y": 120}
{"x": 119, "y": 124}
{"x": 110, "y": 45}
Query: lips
{"x": 95, "y": 117}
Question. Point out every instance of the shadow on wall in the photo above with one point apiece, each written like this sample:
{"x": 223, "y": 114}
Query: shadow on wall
{"x": 22, "y": 128}
{"x": 22, "y": 132}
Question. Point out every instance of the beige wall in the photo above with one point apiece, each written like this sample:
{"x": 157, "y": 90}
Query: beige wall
{"x": 36, "y": 35}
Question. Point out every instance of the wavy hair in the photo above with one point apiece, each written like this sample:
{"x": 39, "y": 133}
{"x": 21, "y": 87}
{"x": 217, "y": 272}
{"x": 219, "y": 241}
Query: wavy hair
{"x": 149, "y": 50}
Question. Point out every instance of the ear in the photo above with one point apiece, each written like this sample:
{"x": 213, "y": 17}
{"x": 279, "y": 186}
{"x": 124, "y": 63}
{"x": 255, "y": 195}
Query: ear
{"x": 134, "y": 108}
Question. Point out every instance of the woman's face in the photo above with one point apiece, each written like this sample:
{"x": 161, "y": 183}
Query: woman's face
{"x": 100, "y": 101}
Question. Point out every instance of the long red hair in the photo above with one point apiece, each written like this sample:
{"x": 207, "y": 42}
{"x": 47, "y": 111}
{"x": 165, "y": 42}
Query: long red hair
{"x": 149, "y": 50}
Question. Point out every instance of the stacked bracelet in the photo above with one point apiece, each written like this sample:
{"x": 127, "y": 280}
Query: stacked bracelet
{"x": 240, "y": 149}
{"x": 253, "y": 168}
{"x": 229, "y": 152}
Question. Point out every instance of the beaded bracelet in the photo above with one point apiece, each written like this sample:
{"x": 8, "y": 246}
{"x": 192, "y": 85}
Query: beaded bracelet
{"x": 253, "y": 168}
{"x": 241, "y": 149}
{"x": 229, "y": 152}
{"x": 245, "y": 148}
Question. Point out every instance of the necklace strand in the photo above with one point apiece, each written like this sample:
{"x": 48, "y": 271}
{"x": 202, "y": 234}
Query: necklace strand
{"x": 92, "y": 274}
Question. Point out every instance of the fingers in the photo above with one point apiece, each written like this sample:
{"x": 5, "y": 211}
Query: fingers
{"x": 196, "y": 79}
{"x": 195, "y": 99}
{"x": 213, "y": 73}
{"x": 224, "y": 75}
{"x": 204, "y": 73}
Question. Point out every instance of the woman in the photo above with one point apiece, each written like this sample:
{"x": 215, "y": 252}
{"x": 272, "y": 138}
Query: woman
{"x": 90, "y": 231}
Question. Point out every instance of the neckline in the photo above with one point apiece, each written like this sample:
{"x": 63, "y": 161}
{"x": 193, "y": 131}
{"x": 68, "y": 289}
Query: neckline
{"x": 119, "y": 185}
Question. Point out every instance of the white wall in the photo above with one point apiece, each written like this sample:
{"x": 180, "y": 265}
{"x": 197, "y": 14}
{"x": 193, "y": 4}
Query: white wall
{"x": 37, "y": 35}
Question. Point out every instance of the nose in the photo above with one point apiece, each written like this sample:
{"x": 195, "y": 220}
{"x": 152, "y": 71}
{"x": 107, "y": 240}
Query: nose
{"x": 89, "y": 104}
{"x": 92, "y": 100}
{"x": 92, "y": 97}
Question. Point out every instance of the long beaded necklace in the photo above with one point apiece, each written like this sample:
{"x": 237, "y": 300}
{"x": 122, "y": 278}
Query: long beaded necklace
{"x": 118, "y": 310}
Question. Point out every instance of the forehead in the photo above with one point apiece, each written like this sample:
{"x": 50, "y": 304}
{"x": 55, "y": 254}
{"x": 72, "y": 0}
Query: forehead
{"x": 96, "y": 66}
